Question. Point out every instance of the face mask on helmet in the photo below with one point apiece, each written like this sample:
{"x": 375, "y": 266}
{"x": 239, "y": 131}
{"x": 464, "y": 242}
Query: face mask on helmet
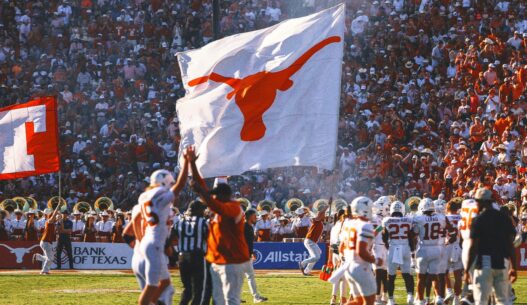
{"x": 397, "y": 207}
{"x": 362, "y": 207}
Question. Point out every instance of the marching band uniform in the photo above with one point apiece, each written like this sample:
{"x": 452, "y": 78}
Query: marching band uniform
{"x": 90, "y": 231}
{"x": 78, "y": 228}
{"x": 302, "y": 223}
{"x": 282, "y": 230}
{"x": 18, "y": 225}
{"x": 263, "y": 227}
{"x": 104, "y": 228}
{"x": 117, "y": 232}
{"x": 4, "y": 229}
{"x": 31, "y": 231}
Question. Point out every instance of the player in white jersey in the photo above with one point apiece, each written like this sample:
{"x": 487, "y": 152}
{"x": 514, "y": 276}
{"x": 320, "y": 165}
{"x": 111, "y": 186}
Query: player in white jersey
{"x": 356, "y": 241}
{"x": 469, "y": 211}
{"x": 398, "y": 235}
{"x": 453, "y": 254}
{"x": 429, "y": 229}
{"x": 156, "y": 203}
{"x": 381, "y": 208}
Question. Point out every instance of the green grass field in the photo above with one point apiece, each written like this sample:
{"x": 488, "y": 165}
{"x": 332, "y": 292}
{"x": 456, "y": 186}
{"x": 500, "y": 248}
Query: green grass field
{"x": 88, "y": 288}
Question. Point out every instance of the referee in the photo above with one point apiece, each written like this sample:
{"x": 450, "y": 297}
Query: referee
{"x": 192, "y": 233}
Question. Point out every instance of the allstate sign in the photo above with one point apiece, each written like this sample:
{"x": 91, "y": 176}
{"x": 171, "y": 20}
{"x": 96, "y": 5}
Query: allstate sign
{"x": 283, "y": 255}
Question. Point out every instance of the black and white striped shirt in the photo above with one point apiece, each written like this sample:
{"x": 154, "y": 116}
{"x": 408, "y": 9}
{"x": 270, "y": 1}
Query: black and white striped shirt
{"x": 192, "y": 233}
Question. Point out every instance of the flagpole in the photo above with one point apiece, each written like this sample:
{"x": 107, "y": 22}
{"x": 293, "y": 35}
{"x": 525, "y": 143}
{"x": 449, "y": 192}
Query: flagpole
{"x": 216, "y": 19}
{"x": 60, "y": 187}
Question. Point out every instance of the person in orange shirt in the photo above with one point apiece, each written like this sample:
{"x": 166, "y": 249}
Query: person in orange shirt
{"x": 227, "y": 249}
{"x": 310, "y": 242}
{"x": 47, "y": 239}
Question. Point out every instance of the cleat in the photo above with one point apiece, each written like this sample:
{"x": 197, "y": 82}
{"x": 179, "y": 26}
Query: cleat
{"x": 449, "y": 296}
{"x": 301, "y": 268}
{"x": 259, "y": 299}
{"x": 390, "y": 302}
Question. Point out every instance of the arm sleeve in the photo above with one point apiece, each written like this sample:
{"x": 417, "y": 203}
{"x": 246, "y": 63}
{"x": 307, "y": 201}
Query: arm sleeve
{"x": 366, "y": 233}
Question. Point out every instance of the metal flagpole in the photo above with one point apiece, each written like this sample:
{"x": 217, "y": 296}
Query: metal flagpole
{"x": 216, "y": 19}
{"x": 60, "y": 187}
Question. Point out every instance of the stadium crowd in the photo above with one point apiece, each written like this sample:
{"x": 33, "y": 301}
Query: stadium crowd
{"x": 433, "y": 95}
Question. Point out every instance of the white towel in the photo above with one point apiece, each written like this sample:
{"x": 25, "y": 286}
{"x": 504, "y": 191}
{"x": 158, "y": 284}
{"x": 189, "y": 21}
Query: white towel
{"x": 397, "y": 257}
{"x": 338, "y": 273}
{"x": 456, "y": 253}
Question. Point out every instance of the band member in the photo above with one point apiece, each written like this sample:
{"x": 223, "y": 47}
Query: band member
{"x": 156, "y": 203}
{"x": 90, "y": 231}
{"x": 78, "y": 227}
{"x": 31, "y": 232}
{"x": 117, "y": 229}
{"x": 64, "y": 228}
{"x": 104, "y": 228}
{"x": 311, "y": 240}
{"x": 18, "y": 225}
{"x": 250, "y": 217}
{"x": 302, "y": 223}
{"x": 47, "y": 239}
{"x": 283, "y": 230}
{"x": 4, "y": 226}
{"x": 263, "y": 227}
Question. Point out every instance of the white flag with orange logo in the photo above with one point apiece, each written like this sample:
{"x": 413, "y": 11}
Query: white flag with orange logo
{"x": 264, "y": 99}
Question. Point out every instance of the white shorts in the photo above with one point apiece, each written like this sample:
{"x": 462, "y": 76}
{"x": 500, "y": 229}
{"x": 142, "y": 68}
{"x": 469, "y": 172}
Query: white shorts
{"x": 453, "y": 255}
{"x": 380, "y": 251}
{"x": 138, "y": 268}
{"x": 362, "y": 280}
{"x": 153, "y": 253}
{"x": 428, "y": 259}
{"x": 394, "y": 262}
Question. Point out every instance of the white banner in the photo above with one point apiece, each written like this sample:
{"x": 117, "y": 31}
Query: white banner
{"x": 96, "y": 256}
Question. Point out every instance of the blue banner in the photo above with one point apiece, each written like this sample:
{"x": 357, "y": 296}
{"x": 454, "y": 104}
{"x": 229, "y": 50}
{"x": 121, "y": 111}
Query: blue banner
{"x": 284, "y": 255}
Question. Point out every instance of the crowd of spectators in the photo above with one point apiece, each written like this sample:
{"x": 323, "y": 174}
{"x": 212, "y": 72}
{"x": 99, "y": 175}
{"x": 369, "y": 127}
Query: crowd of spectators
{"x": 433, "y": 94}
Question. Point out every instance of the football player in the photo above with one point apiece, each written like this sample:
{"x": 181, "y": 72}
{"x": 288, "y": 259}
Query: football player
{"x": 398, "y": 235}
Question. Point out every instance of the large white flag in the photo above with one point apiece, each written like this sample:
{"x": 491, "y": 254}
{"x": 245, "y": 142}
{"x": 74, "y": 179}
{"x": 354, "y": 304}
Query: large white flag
{"x": 264, "y": 99}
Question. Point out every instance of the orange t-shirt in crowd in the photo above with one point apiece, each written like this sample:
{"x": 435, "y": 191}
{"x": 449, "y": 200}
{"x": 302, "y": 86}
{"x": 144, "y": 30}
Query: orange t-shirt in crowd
{"x": 49, "y": 233}
{"x": 226, "y": 242}
{"x": 315, "y": 230}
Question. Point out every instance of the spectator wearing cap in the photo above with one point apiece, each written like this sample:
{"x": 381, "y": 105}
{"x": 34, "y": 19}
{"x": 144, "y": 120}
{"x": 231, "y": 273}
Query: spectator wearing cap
{"x": 301, "y": 223}
{"x": 227, "y": 249}
{"x": 491, "y": 250}
{"x": 64, "y": 229}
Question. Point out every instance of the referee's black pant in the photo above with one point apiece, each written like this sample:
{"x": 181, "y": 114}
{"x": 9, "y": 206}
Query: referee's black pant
{"x": 64, "y": 244}
{"x": 192, "y": 269}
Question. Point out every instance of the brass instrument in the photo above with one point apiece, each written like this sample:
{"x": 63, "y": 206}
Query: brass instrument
{"x": 412, "y": 203}
{"x": 337, "y": 205}
{"x": 31, "y": 204}
{"x": 293, "y": 204}
{"x": 511, "y": 206}
{"x": 9, "y": 205}
{"x": 82, "y": 207}
{"x": 103, "y": 204}
{"x": 266, "y": 205}
{"x": 21, "y": 202}
{"x": 244, "y": 202}
{"x": 53, "y": 201}
{"x": 454, "y": 203}
{"x": 320, "y": 204}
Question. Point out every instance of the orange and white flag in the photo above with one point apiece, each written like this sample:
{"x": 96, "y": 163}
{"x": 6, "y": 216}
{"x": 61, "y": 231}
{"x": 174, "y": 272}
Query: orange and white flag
{"x": 264, "y": 99}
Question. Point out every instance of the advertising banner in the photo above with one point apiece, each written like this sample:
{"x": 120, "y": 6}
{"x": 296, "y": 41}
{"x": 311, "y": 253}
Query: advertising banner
{"x": 96, "y": 256}
{"x": 284, "y": 255}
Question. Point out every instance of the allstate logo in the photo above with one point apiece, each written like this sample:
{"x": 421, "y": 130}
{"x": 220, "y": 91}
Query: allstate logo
{"x": 258, "y": 257}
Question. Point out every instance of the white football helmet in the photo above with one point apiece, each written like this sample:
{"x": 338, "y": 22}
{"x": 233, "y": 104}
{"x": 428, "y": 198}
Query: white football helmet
{"x": 381, "y": 207}
{"x": 397, "y": 206}
{"x": 362, "y": 207}
{"x": 440, "y": 206}
{"x": 426, "y": 205}
{"x": 162, "y": 177}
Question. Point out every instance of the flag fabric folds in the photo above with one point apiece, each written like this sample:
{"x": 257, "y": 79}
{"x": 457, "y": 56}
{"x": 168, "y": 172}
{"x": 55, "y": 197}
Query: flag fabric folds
{"x": 265, "y": 99}
{"x": 29, "y": 141}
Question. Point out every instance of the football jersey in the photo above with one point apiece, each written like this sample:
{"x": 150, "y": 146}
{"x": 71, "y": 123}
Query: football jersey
{"x": 454, "y": 221}
{"x": 430, "y": 229}
{"x": 469, "y": 210}
{"x": 398, "y": 229}
{"x": 353, "y": 232}
{"x": 156, "y": 202}
{"x": 377, "y": 226}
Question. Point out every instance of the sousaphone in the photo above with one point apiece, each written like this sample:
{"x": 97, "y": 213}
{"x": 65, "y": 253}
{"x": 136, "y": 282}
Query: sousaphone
{"x": 244, "y": 202}
{"x": 266, "y": 205}
{"x": 337, "y": 205}
{"x": 412, "y": 203}
{"x": 320, "y": 204}
{"x": 9, "y": 205}
{"x": 103, "y": 204}
{"x": 53, "y": 201}
{"x": 32, "y": 204}
{"x": 293, "y": 204}
{"x": 82, "y": 207}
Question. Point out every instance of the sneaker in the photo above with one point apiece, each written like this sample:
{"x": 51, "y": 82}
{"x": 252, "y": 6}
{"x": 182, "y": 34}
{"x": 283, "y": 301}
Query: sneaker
{"x": 301, "y": 268}
{"x": 391, "y": 302}
{"x": 44, "y": 273}
{"x": 455, "y": 301}
{"x": 410, "y": 299}
{"x": 449, "y": 296}
{"x": 259, "y": 299}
